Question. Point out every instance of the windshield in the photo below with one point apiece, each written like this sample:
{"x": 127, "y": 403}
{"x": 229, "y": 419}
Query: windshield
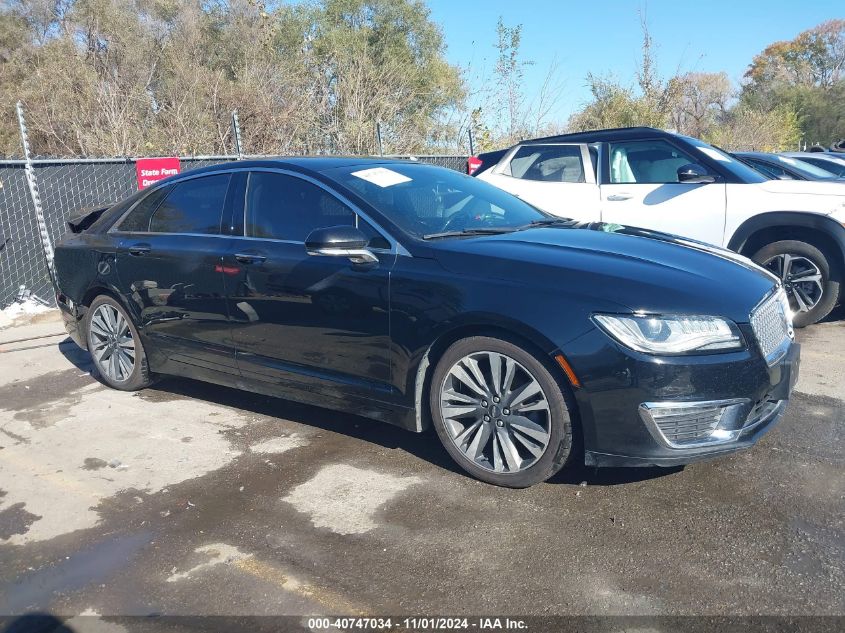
{"x": 427, "y": 201}
{"x": 811, "y": 171}
{"x": 739, "y": 169}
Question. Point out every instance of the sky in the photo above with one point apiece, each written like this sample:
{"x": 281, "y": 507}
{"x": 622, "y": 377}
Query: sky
{"x": 604, "y": 36}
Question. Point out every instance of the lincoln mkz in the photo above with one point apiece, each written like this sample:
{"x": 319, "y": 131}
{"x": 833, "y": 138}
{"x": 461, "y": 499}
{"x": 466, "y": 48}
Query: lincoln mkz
{"x": 418, "y": 296}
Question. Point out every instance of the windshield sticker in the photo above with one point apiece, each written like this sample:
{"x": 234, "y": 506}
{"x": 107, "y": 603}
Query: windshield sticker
{"x": 381, "y": 176}
{"x": 714, "y": 154}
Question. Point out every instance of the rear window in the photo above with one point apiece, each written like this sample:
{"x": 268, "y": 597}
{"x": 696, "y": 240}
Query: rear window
{"x": 138, "y": 219}
{"x": 193, "y": 206}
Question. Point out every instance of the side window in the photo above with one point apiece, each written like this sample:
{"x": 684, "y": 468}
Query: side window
{"x": 547, "y": 163}
{"x": 285, "y": 207}
{"x": 193, "y": 206}
{"x": 138, "y": 219}
{"x": 654, "y": 162}
{"x": 773, "y": 171}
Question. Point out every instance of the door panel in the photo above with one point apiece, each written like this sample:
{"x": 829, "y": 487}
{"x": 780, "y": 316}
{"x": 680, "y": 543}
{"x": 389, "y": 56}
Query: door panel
{"x": 314, "y": 322}
{"x": 558, "y": 178}
{"x": 176, "y": 283}
{"x": 642, "y": 189}
{"x": 169, "y": 262}
{"x": 691, "y": 210}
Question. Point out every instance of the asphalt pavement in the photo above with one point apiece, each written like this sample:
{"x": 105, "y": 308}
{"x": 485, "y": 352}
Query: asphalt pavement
{"x": 193, "y": 499}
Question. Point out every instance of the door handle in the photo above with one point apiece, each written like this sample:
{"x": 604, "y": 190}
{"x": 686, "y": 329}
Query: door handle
{"x": 250, "y": 258}
{"x": 617, "y": 197}
{"x": 139, "y": 249}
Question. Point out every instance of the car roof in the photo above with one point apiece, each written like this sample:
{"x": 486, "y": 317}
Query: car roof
{"x": 303, "y": 163}
{"x": 610, "y": 134}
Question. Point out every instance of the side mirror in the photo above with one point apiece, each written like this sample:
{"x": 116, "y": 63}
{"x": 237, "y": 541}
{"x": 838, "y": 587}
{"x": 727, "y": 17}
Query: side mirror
{"x": 694, "y": 173}
{"x": 340, "y": 241}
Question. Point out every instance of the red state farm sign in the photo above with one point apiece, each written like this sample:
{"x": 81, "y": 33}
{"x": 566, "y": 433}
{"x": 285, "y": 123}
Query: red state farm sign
{"x": 473, "y": 163}
{"x": 151, "y": 170}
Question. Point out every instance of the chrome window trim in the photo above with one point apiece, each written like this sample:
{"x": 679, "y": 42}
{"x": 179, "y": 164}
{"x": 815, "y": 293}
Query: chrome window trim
{"x": 395, "y": 247}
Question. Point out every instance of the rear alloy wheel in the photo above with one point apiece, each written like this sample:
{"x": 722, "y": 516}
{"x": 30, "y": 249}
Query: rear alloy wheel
{"x": 115, "y": 346}
{"x": 500, "y": 413}
{"x": 805, "y": 273}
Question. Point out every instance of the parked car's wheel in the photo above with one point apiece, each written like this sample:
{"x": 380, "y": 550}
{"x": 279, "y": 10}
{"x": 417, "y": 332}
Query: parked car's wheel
{"x": 115, "y": 346}
{"x": 500, "y": 413}
{"x": 807, "y": 276}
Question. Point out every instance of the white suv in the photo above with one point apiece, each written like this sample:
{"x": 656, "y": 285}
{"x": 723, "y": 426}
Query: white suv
{"x": 666, "y": 182}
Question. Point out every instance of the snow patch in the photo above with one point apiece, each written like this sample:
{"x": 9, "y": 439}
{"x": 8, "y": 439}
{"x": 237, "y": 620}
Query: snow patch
{"x": 21, "y": 309}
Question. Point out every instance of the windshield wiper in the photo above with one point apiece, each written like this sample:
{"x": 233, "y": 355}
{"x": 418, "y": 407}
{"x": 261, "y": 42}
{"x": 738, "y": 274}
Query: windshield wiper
{"x": 484, "y": 230}
{"x": 551, "y": 222}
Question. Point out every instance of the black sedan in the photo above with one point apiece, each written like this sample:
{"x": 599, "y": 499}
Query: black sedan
{"x": 418, "y": 296}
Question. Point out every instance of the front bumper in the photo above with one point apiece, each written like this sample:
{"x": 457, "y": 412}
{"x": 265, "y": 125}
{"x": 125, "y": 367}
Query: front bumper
{"x": 641, "y": 410}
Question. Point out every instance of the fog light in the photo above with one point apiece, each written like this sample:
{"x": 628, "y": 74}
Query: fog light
{"x": 695, "y": 424}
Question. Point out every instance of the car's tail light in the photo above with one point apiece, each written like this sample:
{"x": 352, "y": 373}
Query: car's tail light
{"x": 473, "y": 164}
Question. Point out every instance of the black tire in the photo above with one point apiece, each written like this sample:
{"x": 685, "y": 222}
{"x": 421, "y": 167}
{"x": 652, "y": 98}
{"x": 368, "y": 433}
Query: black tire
{"x": 559, "y": 446}
{"x": 140, "y": 376}
{"x": 830, "y": 282}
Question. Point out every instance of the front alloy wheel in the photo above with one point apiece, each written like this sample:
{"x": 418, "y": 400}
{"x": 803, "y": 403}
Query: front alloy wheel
{"x": 809, "y": 276}
{"x": 496, "y": 412}
{"x": 500, "y": 413}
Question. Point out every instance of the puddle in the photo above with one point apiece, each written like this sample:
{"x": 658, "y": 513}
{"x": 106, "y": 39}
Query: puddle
{"x": 95, "y": 565}
{"x": 15, "y": 520}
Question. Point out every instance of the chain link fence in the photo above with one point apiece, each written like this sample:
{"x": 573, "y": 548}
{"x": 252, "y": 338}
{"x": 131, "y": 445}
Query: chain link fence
{"x": 66, "y": 187}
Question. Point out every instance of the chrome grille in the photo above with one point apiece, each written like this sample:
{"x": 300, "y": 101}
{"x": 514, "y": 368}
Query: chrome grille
{"x": 772, "y": 325}
{"x": 689, "y": 424}
{"x": 707, "y": 423}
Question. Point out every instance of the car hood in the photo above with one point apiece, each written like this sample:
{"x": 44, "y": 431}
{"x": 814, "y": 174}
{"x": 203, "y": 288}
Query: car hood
{"x": 633, "y": 269}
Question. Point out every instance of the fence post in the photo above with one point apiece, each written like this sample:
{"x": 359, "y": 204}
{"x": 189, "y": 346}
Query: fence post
{"x": 46, "y": 244}
{"x": 236, "y": 131}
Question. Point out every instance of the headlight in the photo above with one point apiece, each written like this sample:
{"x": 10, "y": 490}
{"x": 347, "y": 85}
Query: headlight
{"x": 671, "y": 334}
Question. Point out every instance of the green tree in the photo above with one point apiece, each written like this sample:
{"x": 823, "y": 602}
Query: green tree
{"x": 702, "y": 100}
{"x": 614, "y": 104}
{"x": 134, "y": 77}
{"x": 816, "y": 57}
{"x": 747, "y": 129}
{"x": 806, "y": 75}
